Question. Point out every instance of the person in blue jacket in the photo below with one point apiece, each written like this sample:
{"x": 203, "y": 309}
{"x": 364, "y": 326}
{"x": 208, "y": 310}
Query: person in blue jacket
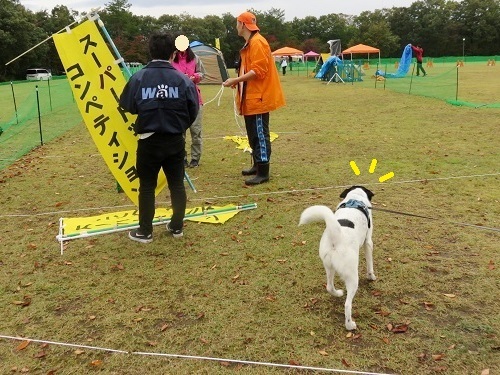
{"x": 166, "y": 104}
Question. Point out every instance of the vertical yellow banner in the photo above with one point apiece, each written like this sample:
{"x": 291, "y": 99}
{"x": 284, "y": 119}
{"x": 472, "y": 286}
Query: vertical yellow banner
{"x": 217, "y": 43}
{"x": 97, "y": 82}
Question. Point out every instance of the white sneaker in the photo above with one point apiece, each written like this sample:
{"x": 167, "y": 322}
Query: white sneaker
{"x": 176, "y": 233}
{"x": 139, "y": 237}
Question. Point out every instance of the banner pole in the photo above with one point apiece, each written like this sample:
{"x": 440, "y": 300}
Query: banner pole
{"x": 64, "y": 28}
{"x": 120, "y": 59}
{"x": 190, "y": 183}
{"x": 43, "y": 41}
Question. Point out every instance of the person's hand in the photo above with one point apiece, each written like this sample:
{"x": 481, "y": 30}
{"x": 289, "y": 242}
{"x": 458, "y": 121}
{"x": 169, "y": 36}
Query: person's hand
{"x": 230, "y": 82}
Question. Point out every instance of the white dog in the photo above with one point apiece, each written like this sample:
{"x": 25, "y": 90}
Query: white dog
{"x": 347, "y": 230}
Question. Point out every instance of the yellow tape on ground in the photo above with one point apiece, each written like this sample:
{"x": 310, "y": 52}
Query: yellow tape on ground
{"x": 243, "y": 141}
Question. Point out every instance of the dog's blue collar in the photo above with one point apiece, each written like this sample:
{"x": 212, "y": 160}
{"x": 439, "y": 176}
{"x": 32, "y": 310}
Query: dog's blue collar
{"x": 352, "y": 203}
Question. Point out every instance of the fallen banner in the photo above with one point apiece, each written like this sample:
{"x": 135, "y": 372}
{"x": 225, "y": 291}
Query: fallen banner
{"x": 73, "y": 228}
{"x": 243, "y": 141}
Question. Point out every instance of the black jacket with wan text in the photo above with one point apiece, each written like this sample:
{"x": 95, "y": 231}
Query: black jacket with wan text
{"x": 164, "y": 100}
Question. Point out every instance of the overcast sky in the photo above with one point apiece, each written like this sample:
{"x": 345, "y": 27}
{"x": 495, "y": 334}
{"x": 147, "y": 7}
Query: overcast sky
{"x": 201, "y": 8}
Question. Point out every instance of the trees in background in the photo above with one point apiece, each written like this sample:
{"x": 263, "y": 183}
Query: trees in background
{"x": 18, "y": 33}
{"x": 438, "y": 25}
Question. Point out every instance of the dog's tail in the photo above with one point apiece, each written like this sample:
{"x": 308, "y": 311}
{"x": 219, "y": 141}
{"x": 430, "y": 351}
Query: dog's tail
{"x": 322, "y": 213}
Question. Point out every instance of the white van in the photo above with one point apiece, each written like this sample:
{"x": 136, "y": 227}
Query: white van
{"x": 38, "y": 74}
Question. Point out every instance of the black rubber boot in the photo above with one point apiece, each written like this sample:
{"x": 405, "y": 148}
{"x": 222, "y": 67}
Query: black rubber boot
{"x": 251, "y": 171}
{"x": 262, "y": 175}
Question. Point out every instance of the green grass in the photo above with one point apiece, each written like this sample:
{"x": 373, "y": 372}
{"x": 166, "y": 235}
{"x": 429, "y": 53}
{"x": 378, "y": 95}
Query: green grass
{"x": 253, "y": 288}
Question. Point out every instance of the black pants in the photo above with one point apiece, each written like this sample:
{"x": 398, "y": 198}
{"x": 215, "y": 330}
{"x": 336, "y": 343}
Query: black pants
{"x": 420, "y": 68}
{"x": 161, "y": 151}
{"x": 258, "y": 136}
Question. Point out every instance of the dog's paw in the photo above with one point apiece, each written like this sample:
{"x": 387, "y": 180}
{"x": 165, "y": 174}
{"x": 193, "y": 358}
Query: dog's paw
{"x": 350, "y": 325}
{"x": 338, "y": 293}
{"x": 371, "y": 276}
{"x": 335, "y": 292}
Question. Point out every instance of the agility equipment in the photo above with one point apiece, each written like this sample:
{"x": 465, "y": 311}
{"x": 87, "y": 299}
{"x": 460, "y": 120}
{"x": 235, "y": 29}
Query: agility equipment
{"x": 403, "y": 66}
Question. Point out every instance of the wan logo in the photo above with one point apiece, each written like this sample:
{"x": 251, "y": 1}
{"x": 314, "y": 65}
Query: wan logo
{"x": 160, "y": 92}
{"x": 373, "y": 165}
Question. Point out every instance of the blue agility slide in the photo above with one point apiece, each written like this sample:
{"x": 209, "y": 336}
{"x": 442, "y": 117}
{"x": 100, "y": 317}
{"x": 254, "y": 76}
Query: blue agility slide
{"x": 328, "y": 65}
{"x": 404, "y": 64}
{"x": 345, "y": 70}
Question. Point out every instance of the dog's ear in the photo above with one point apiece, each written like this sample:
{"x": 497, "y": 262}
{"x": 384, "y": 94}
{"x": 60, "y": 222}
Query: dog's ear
{"x": 346, "y": 191}
{"x": 369, "y": 194}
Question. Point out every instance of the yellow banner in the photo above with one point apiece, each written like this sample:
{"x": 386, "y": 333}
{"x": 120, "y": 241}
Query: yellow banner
{"x": 97, "y": 82}
{"x": 106, "y": 223}
{"x": 243, "y": 141}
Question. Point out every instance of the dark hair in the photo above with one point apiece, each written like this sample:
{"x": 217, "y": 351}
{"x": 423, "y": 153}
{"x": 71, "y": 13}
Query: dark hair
{"x": 190, "y": 55}
{"x": 161, "y": 45}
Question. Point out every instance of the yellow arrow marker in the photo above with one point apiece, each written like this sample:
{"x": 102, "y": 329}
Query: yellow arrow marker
{"x": 373, "y": 165}
{"x": 386, "y": 177}
{"x": 354, "y": 167}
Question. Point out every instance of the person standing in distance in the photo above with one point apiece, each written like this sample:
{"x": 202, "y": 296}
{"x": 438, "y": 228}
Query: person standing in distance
{"x": 419, "y": 54}
{"x": 258, "y": 93}
{"x": 283, "y": 65}
{"x": 166, "y": 104}
{"x": 188, "y": 63}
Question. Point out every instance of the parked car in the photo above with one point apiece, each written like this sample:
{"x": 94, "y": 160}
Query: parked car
{"x": 38, "y": 74}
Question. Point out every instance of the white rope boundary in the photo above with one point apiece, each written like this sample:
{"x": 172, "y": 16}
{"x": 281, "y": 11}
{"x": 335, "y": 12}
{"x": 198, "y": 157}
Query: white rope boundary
{"x": 217, "y": 96}
{"x": 237, "y": 117}
{"x": 245, "y": 362}
{"x": 218, "y": 198}
{"x": 183, "y": 356}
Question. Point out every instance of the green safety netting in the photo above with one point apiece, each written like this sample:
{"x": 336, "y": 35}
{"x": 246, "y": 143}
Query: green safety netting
{"x": 32, "y": 113}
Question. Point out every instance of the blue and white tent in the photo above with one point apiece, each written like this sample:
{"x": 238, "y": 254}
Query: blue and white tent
{"x": 213, "y": 62}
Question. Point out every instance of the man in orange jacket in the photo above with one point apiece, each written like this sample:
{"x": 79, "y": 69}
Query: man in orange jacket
{"x": 259, "y": 92}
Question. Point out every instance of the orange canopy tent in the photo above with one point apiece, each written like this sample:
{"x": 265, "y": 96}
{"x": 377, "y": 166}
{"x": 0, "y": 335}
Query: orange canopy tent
{"x": 363, "y": 49}
{"x": 288, "y": 51}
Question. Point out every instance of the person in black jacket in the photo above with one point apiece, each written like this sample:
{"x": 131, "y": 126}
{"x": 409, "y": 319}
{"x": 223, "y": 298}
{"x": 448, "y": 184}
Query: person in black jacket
{"x": 166, "y": 104}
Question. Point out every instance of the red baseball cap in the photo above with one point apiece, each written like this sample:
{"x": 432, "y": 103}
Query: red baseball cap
{"x": 249, "y": 20}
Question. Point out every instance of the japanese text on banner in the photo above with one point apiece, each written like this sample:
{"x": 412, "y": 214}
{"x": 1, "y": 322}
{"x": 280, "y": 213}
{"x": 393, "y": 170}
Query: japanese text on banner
{"x": 97, "y": 82}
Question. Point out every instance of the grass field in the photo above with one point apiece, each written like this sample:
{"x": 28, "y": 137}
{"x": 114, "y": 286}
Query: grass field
{"x": 254, "y": 288}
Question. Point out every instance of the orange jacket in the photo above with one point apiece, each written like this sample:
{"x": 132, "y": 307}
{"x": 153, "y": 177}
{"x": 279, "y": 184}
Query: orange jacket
{"x": 263, "y": 93}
